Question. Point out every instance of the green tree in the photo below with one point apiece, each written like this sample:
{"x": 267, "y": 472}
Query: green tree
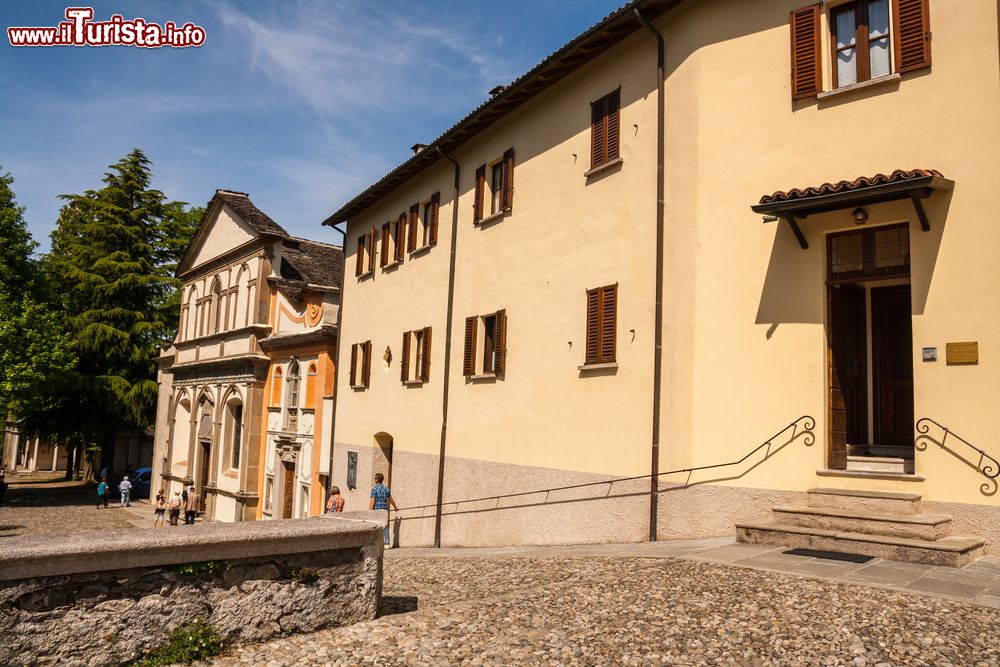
{"x": 111, "y": 262}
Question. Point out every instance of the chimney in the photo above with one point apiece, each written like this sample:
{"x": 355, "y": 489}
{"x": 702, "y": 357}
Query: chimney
{"x": 496, "y": 90}
{"x": 416, "y": 148}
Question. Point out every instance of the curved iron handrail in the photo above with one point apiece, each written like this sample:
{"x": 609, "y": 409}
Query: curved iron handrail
{"x": 807, "y": 423}
{"x": 987, "y": 465}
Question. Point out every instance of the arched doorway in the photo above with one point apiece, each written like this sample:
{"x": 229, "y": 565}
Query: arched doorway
{"x": 382, "y": 457}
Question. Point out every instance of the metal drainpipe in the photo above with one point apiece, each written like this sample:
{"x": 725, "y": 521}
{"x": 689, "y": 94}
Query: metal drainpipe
{"x": 447, "y": 349}
{"x": 336, "y": 362}
{"x": 654, "y": 489}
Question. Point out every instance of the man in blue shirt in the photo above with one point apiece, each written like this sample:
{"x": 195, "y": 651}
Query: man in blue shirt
{"x": 381, "y": 499}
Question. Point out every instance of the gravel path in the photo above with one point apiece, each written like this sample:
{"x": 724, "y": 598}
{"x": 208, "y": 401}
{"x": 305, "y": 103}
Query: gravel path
{"x": 634, "y": 611}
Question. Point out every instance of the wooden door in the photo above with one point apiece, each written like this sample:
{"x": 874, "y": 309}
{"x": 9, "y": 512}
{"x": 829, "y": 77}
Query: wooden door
{"x": 848, "y": 418}
{"x": 892, "y": 372}
{"x": 287, "y": 490}
{"x": 206, "y": 467}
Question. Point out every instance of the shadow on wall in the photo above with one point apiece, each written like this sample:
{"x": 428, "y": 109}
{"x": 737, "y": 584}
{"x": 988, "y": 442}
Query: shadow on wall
{"x": 802, "y": 429}
{"x": 793, "y": 290}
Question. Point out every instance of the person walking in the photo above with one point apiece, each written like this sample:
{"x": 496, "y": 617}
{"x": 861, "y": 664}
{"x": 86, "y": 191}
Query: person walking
{"x": 102, "y": 493}
{"x": 175, "y": 507}
{"x": 336, "y": 501}
{"x": 125, "y": 487}
{"x": 381, "y": 499}
{"x": 191, "y": 506}
{"x": 161, "y": 509}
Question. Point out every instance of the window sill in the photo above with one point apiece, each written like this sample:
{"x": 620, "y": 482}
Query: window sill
{"x": 413, "y": 383}
{"x": 422, "y": 250}
{"x": 490, "y": 219}
{"x": 864, "y": 85}
{"x": 601, "y": 168}
{"x": 358, "y": 387}
{"x": 232, "y": 472}
{"x": 370, "y": 273}
{"x": 482, "y": 377}
{"x": 597, "y": 367}
{"x": 392, "y": 266}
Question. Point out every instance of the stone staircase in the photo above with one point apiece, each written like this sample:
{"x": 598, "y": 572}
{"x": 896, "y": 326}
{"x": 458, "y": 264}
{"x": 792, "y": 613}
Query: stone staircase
{"x": 870, "y": 523}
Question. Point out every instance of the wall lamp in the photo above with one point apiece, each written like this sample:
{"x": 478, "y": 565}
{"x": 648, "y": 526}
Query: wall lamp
{"x": 860, "y": 216}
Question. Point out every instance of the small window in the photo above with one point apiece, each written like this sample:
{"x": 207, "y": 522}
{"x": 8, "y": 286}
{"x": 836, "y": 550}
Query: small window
{"x": 236, "y": 429}
{"x": 489, "y": 357}
{"x": 498, "y": 190}
{"x": 361, "y": 365}
{"x": 292, "y": 395}
{"x": 869, "y": 253}
{"x": 604, "y": 129}
{"x": 602, "y": 323}
{"x": 860, "y": 41}
{"x": 399, "y": 237}
{"x": 415, "y": 362}
{"x": 365, "y": 261}
{"x": 423, "y": 227}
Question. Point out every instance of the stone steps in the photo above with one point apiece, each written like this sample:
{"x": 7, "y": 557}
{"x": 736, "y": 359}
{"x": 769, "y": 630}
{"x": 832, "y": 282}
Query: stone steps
{"x": 948, "y": 551}
{"x": 913, "y": 526}
{"x": 881, "y": 524}
{"x": 891, "y": 464}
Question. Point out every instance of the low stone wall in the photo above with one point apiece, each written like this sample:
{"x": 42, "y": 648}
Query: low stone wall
{"x": 101, "y": 598}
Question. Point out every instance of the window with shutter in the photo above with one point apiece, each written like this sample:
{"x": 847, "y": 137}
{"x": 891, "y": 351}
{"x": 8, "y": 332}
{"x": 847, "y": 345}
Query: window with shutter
{"x": 507, "y": 184}
{"x": 860, "y": 41}
{"x": 602, "y": 316}
{"x": 500, "y": 342}
{"x": 404, "y": 361}
{"x": 425, "y": 362}
{"x": 806, "y": 62}
{"x": 487, "y": 358}
{"x": 384, "y": 259}
{"x": 411, "y": 241}
{"x": 361, "y": 365}
{"x": 432, "y": 236}
{"x": 366, "y": 367}
{"x": 354, "y": 365}
{"x": 477, "y": 202}
{"x": 605, "y": 121}
{"x": 398, "y": 237}
{"x": 359, "y": 267}
{"x": 371, "y": 249}
{"x": 913, "y": 30}
{"x": 469, "y": 357}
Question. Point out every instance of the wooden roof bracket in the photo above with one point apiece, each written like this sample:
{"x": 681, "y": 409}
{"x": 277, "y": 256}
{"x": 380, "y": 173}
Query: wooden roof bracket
{"x": 918, "y": 206}
{"x": 790, "y": 219}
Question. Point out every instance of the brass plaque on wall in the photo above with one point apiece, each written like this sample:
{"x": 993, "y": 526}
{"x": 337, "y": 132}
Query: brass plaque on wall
{"x": 962, "y": 353}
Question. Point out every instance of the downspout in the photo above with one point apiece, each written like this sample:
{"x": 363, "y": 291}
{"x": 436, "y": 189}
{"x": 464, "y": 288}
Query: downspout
{"x": 447, "y": 349}
{"x": 654, "y": 468}
{"x": 336, "y": 362}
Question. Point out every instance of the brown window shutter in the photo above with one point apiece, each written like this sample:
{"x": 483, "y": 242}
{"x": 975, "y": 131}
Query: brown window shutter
{"x": 500, "y": 342}
{"x": 806, "y": 64}
{"x": 400, "y": 237}
{"x": 367, "y": 364}
{"x": 354, "y": 365}
{"x": 598, "y": 134}
{"x": 477, "y": 204}
{"x": 593, "y": 325}
{"x": 432, "y": 236}
{"x": 404, "y": 362}
{"x": 411, "y": 242}
{"x": 913, "y": 34}
{"x": 507, "y": 185}
{"x": 609, "y": 323}
{"x": 359, "y": 268}
{"x": 469, "y": 358}
{"x": 425, "y": 370}
{"x": 613, "y": 124}
{"x": 385, "y": 244}
{"x": 371, "y": 249}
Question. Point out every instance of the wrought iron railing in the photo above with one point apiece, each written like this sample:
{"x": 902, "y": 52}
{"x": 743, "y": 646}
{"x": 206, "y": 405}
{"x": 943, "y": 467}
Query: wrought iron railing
{"x": 800, "y": 428}
{"x": 985, "y": 464}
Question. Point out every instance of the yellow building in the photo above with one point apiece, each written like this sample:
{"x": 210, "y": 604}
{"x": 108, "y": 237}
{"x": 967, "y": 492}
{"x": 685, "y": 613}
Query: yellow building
{"x": 529, "y": 316}
{"x": 258, "y": 305}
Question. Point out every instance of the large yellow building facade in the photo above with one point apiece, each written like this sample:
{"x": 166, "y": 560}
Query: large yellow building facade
{"x": 824, "y": 262}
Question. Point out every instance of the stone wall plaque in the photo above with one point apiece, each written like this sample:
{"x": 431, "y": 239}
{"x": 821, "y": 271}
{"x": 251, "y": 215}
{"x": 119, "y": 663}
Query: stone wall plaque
{"x": 962, "y": 353}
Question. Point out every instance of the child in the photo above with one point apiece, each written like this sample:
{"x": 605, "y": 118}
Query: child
{"x": 336, "y": 501}
{"x": 161, "y": 509}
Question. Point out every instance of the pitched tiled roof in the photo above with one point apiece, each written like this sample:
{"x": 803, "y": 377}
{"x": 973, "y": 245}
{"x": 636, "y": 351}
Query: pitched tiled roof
{"x": 898, "y": 176}
{"x": 312, "y": 263}
{"x": 615, "y": 27}
{"x": 253, "y": 216}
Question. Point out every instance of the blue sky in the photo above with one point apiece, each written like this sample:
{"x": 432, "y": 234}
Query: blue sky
{"x": 301, "y": 104}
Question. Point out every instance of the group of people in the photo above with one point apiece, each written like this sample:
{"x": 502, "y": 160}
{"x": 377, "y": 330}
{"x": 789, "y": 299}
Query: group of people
{"x": 187, "y": 500}
{"x": 104, "y": 490}
{"x": 380, "y": 498}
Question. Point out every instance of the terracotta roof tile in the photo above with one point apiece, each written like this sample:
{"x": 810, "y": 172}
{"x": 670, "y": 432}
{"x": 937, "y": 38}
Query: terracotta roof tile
{"x": 898, "y": 176}
{"x": 253, "y": 216}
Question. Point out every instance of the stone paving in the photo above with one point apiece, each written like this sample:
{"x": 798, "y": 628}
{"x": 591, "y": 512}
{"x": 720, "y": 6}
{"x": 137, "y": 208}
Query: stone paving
{"x": 602, "y": 607}
{"x": 46, "y": 504}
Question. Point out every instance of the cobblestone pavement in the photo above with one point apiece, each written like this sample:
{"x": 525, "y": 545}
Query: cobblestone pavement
{"x": 637, "y": 611}
{"x": 50, "y": 505}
